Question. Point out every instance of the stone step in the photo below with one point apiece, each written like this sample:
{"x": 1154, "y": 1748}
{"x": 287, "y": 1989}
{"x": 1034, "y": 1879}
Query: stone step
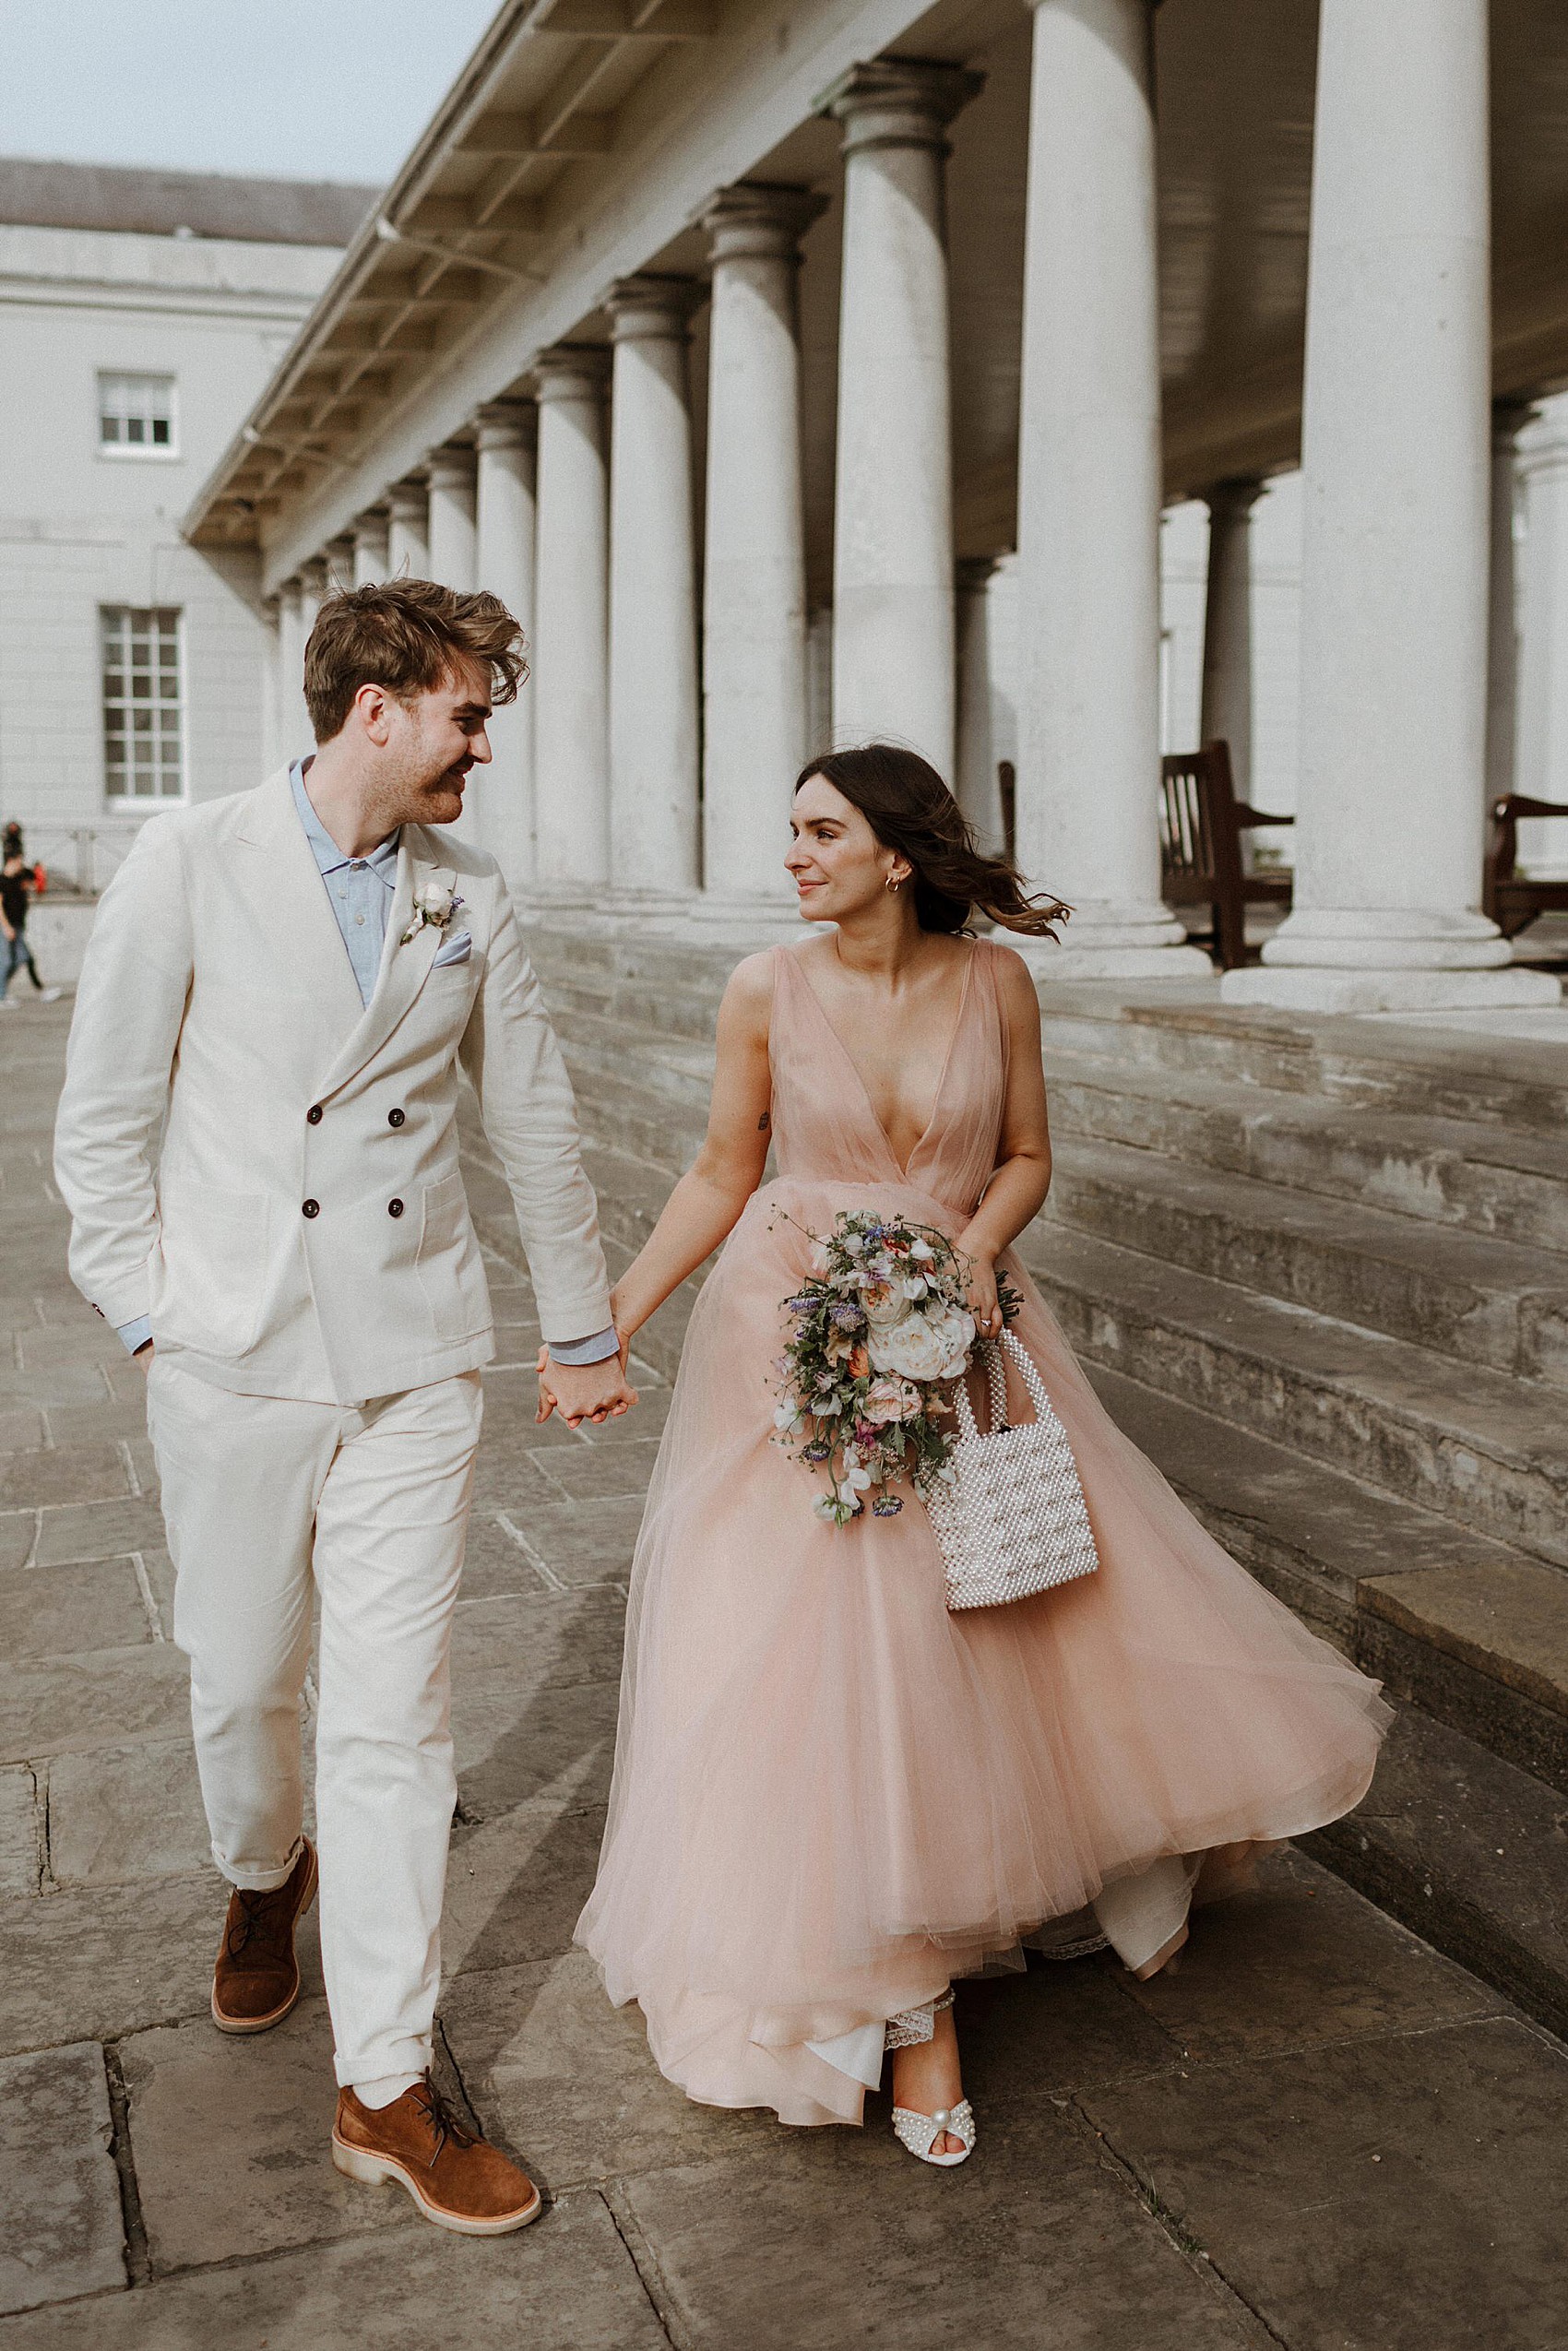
{"x": 1395, "y": 1065}
{"x": 1463, "y": 1442}
{"x": 1374, "y": 1064}
{"x": 1471, "y": 1630}
{"x": 1470, "y": 1852}
{"x": 1498, "y": 1181}
{"x": 1460, "y": 1293}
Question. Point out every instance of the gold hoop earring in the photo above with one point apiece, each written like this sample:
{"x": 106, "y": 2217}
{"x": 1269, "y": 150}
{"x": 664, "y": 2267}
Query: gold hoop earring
{"x": 893, "y": 882}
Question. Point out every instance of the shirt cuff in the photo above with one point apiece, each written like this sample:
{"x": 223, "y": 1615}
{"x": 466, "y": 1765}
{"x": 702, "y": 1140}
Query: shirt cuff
{"x": 137, "y": 1334}
{"x": 597, "y": 1350}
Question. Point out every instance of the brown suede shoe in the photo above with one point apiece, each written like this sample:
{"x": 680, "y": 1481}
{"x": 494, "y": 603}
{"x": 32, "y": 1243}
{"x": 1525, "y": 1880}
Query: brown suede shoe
{"x": 256, "y": 1980}
{"x": 456, "y": 2180}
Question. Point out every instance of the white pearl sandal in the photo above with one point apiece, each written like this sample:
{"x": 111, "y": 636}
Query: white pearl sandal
{"x": 919, "y": 2132}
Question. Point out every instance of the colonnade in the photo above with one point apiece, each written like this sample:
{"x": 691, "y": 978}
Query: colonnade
{"x": 668, "y": 707}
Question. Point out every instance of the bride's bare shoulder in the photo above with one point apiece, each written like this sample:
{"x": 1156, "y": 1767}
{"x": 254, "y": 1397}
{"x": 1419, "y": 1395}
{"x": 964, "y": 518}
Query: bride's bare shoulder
{"x": 748, "y": 993}
{"x": 1015, "y": 984}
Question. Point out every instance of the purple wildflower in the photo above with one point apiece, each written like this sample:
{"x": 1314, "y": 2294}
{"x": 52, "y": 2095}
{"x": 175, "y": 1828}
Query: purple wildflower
{"x": 887, "y": 1506}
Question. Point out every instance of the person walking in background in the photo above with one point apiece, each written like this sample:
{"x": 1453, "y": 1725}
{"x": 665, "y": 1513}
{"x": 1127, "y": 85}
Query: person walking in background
{"x": 17, "y": 880}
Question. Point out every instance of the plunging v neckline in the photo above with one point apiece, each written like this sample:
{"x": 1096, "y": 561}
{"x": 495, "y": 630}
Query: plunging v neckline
{"x": 903, "y": 1165}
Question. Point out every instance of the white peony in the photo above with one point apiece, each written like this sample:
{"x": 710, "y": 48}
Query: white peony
{"x": 885, "y": 1304}
{"x": 924, "y": 1346}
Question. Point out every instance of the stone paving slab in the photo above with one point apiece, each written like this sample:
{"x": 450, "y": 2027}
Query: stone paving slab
{"x": 18, "y": 1533}
{"x": 99, "y": 1530}
{"x": 561, "y": 1637}
{"x": 590, "y": 1542}
{"x": 60, "y": 2228}
{"x": 1404, "y": 2190}
{"x": 121, "y": 1812}
{"x": 102, "y": 1698}
{"x": 516, "y": 1884}
{"x": 50, "y": 1611}
{"x": 85, "y": 1472}
{"x": 568, "y": 2083}
{"x": 107, "y": 1960}
{"x": 567, "y": 2283}
{"x": 514, "y": 1743}
{"x": 21, "y": 1835}
{"x": 1040, "y": 2244}
{"x": 233, "y": 2139}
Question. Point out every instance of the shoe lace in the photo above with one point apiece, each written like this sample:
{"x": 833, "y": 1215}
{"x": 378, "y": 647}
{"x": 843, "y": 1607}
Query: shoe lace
{"x": 442, "y": 2123}
{"x": 261, "y": 1918}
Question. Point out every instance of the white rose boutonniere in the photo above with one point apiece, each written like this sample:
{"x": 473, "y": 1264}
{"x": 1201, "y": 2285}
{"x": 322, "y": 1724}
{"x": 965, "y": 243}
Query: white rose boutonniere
{"x": 434, "y": 904}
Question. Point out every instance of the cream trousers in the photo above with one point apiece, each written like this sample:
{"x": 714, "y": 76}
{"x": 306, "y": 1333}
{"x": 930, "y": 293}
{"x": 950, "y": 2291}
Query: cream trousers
{"x": 267, "y": 1500}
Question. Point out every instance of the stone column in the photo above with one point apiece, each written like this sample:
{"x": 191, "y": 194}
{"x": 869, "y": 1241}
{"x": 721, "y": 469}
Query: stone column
{"x": 978, "y": 789}
{"x": 1397, "y": 463}
{"x": 505, "y": 530}
{"x": 654, "y": 725}
{"x": 571, "y": 662}
{"x": 1503, "y": 604}
{"x": 1540, "y": 768}
{"x": 1227, "y": 704}
{"x": 293, "y": 725}
{"x": 754, "y": 566}
{"x": 1089, "y": 493}
{"x": 408, "y": 536}
{"x": 452, "y": 547}
{"x": 892, "y": 623}
{"x": 371, "y": 562}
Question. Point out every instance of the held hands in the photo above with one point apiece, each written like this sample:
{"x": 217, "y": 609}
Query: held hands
{"x": 578, "y": 1391}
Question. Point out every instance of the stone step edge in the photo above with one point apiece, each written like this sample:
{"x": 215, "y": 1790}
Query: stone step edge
{"x": 1479, "y": 1642}
{"x": 1103, "y": 1275}
{"x": 1468, "y": 1853}
{"x": 1354, "y": 1227}
{"x": 1465, "y": 1296}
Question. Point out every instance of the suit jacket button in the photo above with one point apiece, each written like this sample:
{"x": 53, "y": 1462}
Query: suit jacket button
{"x": 311, "y": 1209}
{"x": 312, "y": 1115}
{"x": 393, "y": 1207}
{"x": 395, "y": 1118}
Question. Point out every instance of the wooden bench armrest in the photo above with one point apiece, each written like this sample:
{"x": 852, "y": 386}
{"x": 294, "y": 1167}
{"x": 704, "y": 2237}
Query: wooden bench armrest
{"x": 1516, "y": 804}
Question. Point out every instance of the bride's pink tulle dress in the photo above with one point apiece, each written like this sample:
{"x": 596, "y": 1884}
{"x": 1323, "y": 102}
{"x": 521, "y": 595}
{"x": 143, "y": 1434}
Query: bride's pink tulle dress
{"x": 831, "y": 1795}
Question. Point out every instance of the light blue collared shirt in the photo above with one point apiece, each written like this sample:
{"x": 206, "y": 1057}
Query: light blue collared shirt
{"x": 360, "y": 888}
{"x": 360, "y": 891}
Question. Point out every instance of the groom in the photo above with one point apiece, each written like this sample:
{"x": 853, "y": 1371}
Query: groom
{"x": 257, "y": 1141}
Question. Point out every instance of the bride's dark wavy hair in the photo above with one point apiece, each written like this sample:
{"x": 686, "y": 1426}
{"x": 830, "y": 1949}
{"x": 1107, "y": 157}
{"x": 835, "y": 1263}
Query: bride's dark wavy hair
{"x": 911, "y": 809}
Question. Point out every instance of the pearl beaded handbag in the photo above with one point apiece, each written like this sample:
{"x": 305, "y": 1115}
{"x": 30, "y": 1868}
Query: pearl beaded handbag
{"x": 1013, "y": 1522}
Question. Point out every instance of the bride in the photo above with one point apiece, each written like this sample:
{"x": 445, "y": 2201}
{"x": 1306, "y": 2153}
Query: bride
{"x": 832, "y": 1796}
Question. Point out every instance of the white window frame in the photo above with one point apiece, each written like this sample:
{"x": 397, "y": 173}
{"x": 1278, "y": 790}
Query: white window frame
{"x": 159, "y": 452}
{"x": 129, "y": 800}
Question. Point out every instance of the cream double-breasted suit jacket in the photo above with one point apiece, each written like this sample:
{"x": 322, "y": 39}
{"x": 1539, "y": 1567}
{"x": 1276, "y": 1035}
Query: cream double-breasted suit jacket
{"x": 303, "y": 1228}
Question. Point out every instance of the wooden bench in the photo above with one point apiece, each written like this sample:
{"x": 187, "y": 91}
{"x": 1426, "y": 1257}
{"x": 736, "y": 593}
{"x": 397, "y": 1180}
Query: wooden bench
{"x": 1512, "y": 901}
{"x": 1200, "y": 824}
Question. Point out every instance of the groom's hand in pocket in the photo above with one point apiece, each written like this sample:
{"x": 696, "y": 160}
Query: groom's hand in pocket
{"x": 579, "y": 1391}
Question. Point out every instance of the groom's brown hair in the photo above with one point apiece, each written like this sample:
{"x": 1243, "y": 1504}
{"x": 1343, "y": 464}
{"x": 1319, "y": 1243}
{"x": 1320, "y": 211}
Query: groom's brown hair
{"x": 406, "y": 636}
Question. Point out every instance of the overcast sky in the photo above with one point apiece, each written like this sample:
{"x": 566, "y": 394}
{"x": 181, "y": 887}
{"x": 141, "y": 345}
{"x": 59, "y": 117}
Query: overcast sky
{"x": 299, "y": 89}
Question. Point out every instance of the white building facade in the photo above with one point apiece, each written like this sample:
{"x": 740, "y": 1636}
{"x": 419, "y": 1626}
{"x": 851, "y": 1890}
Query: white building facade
{"x": 140, "y": 314}
{"x": 829, "y": 372}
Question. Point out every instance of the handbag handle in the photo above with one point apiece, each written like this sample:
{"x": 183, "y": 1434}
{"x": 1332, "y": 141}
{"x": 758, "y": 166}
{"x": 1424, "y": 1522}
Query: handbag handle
{"x": 1000, "y": 1349}
{"x": 996, "y": 1373}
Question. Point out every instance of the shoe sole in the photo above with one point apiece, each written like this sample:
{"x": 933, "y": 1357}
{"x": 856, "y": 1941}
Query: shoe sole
{"x": 240, "y": 2025}
{"x": 383, "y": 2172}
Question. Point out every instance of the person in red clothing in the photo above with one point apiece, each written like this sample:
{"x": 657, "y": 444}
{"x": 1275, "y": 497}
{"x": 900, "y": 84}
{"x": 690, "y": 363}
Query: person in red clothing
{"x": 17, "y": 880}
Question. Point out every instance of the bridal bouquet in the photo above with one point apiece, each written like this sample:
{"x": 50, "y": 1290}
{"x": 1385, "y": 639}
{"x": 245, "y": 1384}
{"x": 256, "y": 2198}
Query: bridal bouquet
{"x": 880, "y": 1332}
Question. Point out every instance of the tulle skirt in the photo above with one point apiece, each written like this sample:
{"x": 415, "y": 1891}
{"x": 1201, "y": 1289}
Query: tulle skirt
{"x": 832, "y": 1796}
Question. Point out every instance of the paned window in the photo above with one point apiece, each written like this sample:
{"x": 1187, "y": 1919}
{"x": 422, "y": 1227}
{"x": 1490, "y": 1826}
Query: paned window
{"x": 143, "y": 734}
{"x": 137, "y": 412}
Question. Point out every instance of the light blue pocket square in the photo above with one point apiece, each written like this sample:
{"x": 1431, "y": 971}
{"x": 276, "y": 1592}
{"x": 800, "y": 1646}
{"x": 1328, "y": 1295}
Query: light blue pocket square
{"x": 456, "y": 949}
